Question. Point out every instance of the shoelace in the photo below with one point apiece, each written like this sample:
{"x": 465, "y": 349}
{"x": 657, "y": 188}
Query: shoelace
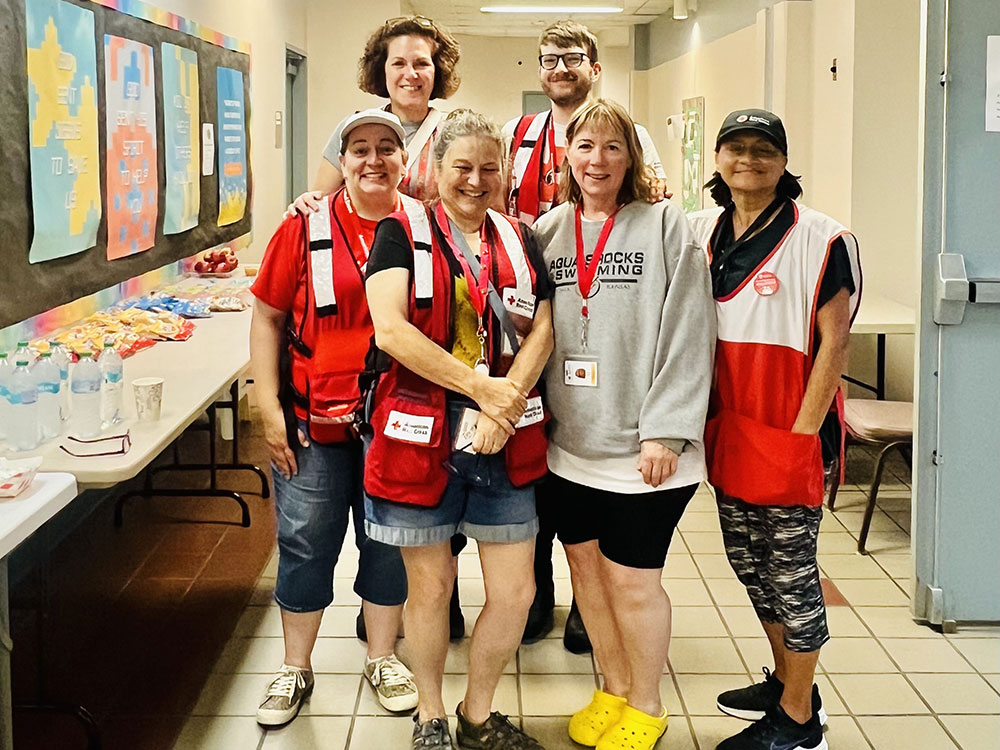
{"x": 389, "y": 671}
{"x": 284, "y": 684}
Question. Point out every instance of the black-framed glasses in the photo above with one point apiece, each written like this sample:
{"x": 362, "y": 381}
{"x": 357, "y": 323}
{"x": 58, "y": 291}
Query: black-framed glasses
{"x": 102, "y": 446}
{"x": 422, "y": 21}
{"x": 569, "y": 59}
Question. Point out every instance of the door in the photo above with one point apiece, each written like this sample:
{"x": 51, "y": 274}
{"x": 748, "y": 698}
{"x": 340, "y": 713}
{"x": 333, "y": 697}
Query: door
{"x": 957, "y": 513}
{"x": 296, "y": 116}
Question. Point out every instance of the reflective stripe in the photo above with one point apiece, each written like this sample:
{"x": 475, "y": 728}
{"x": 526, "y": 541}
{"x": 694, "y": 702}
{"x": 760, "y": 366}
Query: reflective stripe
{"x": 423, "y": 268}
{"x": 320, "y": 228}
{"x": 516, "y": 254}
{"x": 527, "y": 145}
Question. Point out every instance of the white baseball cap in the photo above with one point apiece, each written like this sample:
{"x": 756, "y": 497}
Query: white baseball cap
{"x": 368, "y": 117}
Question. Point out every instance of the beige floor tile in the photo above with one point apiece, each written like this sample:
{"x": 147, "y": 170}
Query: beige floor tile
{"x": 704, "y": 542}
{"x": 898, "y": 566}
{"x": 984, "y": 653}
{"x": 688, "y": 592}
{"x": 830, "y": 522}
{"x": 263, "y": 592}
{"x": 894, "y": 622}
{"x": 560, "y": 566}
{"x": 261, "y": 622}
{"x": 844, "y": 623}
{"x": 310, "y": 733}
{"x": 906, "y": 733}
{"x": 849, "y": 500}
{"x": 219, "y": 733}
{"x": 231, "y": 695}
{"x": 256, "y": 655}
{"x": 742, "y": 621}
{"x": 341, "y": 655}
{"x": 548, "y": 656}
{"x": 861, "y": 593}
{"x": 555, "y": 695}
{"x": 855, "y": 656}
{"x": 925, "y": 655}
{"x": 994, "y": 680}
{"x": 371, "y": 732}
{"x": 343, "y": 593}
{"x": 842, "y": 733}
{"x": 347, "y": 567}
{"x": 701, "y": 691}
{"x": 976, "y": 631}
{"x": 504, "y": 700}
{"x": 550, "y": 731}
{"x": 894, "y": 542}
{"x": 850, "y": 566}
{"x": 837, "y": 544}
{"x": 832, "y": 703}
{"x": 471, "y": 591}
{"x": 714, "y": 566}
{"x": 957, "y": 693}
{"x": 853, "y": 520}
{"x": 711, "y": 730}
{"x": 457, "y": 660}
{"x": 564, "y": 592}
{"x": 339, "y": 622}
{"x": 728, "y": 592}
{"x": 757, "y": 654}
{"x": 974, "y": 732}
{"x": 334, "y": 695}
{"x": 697, "y": 622}
{"x": 700, "y": 521}
{"x": 705, "y": 655}
{"x": 878, "y": 694}
{"x": 668, "y": 694}
{"x": 271, "y": 569}
{"x": 679, "y": 564}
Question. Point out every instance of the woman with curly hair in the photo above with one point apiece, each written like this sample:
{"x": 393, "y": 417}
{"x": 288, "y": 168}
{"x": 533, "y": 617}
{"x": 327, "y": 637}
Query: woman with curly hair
{"x": 410, "y": 60}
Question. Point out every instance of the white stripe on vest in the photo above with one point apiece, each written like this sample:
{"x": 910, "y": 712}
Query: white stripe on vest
{"x": 423, "y": 267}
{"x": 514, "y": 250}
{"x": 319, "y": 225}
{"x": 523, "y": 154}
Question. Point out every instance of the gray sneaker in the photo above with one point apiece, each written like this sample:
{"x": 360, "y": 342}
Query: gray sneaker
{"x": 289, "y": 687}
{"x": 431, "y": 735}
{"x": 393, "y": 683}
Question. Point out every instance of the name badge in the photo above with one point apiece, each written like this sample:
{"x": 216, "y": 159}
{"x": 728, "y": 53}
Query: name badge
{"x": 466, "y": 431}
{"x": 518, "y": 305}
{"x": 580, "y": 372}
{"x": 409, "y": 427}
{"x": 533, "y": 414}
{"x": 766, "y": 284}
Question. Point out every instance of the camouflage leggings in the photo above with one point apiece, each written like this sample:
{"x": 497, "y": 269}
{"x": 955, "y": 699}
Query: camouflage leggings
{"x": 772, "y": 549}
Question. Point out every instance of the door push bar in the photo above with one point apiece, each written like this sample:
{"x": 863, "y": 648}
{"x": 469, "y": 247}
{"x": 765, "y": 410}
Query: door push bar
{"x": 953, "y": 290}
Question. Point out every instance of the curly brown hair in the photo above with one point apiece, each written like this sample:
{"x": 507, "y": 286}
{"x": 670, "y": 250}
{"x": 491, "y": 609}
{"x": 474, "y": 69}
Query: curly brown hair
{"x": 609, "y": 115}
{"x": 371, "y": 66}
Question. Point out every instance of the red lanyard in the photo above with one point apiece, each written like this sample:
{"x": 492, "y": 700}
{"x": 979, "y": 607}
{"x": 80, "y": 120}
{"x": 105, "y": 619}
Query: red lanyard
{"x": 479, "y": 288}
{"x": 360, "y": 249}
{"x": 585, "y": 272}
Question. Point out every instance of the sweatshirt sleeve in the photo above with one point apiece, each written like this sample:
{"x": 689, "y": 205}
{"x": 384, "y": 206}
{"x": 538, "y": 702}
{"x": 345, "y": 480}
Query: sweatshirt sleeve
{"x": 674, "y": 410}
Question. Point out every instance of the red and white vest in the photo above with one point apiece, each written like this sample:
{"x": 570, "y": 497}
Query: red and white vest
{"x": 330, "y": 340}
{"x": 764, "y": 356}
{"x": 411, "y": 439}
{"x": 418, "y": 181}
{"x": 531, "y": 161}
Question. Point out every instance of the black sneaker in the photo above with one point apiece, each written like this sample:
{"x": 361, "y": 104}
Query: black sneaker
{"x": 359, "y": 626}
{"x": 431, "y": 735}
{"x": 496, "y": 733}
{"x": 777, "y": 731}
{"x": 540, "y": 619}
{"x": 456, "y": 620}
{"x": 575, "y": 637}
{"x": 752, "y": 702}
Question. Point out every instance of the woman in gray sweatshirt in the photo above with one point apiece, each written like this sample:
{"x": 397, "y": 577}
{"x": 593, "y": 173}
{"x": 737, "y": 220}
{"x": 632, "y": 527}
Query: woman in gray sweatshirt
{"x": 627, "y": 387}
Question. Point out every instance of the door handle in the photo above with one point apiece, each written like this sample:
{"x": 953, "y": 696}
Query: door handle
{"x": 953, "y": 290}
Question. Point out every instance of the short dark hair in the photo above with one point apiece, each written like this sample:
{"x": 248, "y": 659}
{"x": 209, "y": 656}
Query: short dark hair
{"x": 568, "y": 33}
{"x": 371, "y": 66}
{"x": 788, "y": 187}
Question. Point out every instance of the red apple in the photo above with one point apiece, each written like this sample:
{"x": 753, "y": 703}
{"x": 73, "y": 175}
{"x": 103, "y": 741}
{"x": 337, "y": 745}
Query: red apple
{"x": 201, "y": 267}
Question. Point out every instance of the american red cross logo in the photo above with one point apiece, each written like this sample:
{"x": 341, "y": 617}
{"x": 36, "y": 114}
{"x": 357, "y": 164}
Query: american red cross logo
{"x": 396, "y": 425}
{"x": 510, "y": 299}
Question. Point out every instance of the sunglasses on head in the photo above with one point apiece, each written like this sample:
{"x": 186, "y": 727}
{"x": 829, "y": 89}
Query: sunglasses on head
{"x": 422, "y": 21}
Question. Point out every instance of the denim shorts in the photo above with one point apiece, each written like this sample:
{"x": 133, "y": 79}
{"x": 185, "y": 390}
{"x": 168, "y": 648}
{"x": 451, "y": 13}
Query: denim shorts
{"x": 479, "y": 501}
{"x": 312, "y": 509}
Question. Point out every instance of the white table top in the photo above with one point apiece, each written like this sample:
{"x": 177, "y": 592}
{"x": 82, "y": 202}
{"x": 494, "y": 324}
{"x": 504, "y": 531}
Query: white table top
{"x": 23, "y": 515}
{"x": 195, "y": 373}
{"x": 879, "y": 314}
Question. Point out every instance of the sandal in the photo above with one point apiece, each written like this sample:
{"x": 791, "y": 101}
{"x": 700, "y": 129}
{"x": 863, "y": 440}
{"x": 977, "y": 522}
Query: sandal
{"x": 634, "y": 731}
{"x": 588, "y": 724}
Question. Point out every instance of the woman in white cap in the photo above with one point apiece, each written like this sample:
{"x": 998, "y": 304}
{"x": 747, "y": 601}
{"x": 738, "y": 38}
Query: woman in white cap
{"x": 311, "y": 315}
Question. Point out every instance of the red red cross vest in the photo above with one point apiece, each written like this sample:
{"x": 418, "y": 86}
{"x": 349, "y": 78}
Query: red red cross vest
{"x": 329, "y": 342}
{"x": 763, "y": 360}
{"x": 411, "y": 439}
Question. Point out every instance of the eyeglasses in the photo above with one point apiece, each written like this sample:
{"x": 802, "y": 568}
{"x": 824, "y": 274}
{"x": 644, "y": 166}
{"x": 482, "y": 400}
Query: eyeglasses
{"x": 97, "y": 444}
{"x": 421, "y": 21}
{"x": 570, "y": 60}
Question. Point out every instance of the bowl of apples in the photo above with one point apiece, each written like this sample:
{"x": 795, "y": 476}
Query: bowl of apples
{"x": 217, "y": 264}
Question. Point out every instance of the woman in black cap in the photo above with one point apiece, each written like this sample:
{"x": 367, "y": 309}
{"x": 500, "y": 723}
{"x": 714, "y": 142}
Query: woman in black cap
{"x": 787, "y": 282}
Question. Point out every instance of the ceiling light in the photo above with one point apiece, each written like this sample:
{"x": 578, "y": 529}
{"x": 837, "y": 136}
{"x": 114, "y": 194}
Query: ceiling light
{"x": 550, "y": 9}
{"x": 680, "y": 10}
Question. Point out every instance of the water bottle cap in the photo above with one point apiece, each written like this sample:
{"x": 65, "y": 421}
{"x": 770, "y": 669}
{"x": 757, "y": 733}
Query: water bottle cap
{"x": 108, "y": 344}
{"x": 3, "y": 355}
{"x": 46, "y": 354}
{"x": 22, "y": 363}
{"x": 84, "y": 355}
{"x": 21, "y": 344}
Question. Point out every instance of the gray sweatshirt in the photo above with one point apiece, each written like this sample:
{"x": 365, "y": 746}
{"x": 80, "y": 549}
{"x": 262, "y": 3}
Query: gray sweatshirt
{"x": 652, "y": 331}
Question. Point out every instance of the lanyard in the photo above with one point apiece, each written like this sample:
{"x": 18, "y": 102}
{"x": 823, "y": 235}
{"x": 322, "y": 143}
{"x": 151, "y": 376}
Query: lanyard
{"x": 360, "y": 249}
{"x": 585, "y": 272}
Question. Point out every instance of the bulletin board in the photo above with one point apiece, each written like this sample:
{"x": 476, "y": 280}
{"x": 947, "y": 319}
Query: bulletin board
{"x": 119, "y": 229}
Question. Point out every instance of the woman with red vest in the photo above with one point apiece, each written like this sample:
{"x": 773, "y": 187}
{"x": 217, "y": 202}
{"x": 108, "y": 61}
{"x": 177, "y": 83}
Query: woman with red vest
{"x": 628, "y": 390}
{"x": 459, "y": 300}
{"x": 311, "y": 310}
{"x": 787, "y": 282}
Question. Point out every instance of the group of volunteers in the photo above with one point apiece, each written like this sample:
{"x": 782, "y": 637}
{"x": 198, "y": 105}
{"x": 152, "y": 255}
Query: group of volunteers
{"x": 509, "y": 334}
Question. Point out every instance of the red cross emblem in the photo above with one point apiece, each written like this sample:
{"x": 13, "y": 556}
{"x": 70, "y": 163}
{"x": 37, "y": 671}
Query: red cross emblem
{"x": 396, "y": 425}
{"x": 510, "y": 299}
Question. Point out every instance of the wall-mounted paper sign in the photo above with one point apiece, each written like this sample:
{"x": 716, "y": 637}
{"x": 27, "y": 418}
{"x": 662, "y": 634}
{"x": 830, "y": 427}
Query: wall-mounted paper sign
{"x": 207, "y": 148}
{"x": 993, "y": 84}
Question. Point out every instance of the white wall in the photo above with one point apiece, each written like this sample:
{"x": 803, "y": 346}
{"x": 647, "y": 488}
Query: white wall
{"x": 495, "y": 71}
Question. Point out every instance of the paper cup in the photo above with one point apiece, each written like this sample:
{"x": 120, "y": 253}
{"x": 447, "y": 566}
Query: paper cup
{"x": 148, "y": 398}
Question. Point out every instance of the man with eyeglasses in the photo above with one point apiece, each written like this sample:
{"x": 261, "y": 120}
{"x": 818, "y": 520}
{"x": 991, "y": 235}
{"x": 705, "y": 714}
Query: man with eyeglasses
{"x": 568, "y": 69}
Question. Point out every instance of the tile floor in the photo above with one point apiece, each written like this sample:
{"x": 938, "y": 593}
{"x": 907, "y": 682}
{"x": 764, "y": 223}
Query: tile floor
{"x": 887, "y": 682}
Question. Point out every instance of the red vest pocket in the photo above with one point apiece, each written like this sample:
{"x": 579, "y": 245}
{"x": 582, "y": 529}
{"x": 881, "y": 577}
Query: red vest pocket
{"x": 334, "y": 399}
{"x": 525, "y": 454}
{"x": 761, "y": 464}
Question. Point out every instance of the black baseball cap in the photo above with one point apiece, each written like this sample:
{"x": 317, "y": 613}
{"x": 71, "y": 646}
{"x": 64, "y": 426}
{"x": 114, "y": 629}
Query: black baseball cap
{"x": 766, "y": 123}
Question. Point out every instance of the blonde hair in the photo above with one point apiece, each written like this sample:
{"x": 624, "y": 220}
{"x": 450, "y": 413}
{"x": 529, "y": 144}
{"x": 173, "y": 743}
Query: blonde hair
{"x": 608, "y": 115}
{"x": 462, "y": 122}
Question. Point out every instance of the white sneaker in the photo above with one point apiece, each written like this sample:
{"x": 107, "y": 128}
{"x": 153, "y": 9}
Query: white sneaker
{"x": 393, "y": 683}
{"x": 284, "y": 696}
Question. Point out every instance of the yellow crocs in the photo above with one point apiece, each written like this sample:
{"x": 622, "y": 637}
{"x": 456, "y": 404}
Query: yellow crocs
{"x": 588, "y": 724}
{"x": 634, "y": 731}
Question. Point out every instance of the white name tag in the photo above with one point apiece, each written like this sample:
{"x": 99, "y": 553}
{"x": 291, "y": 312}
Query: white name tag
{"x": 409, "y": 427}
{"x": 533, "y": 414}
{"x": 466, "y": 431}
{"x": 580, "y": 373}
{"x": 518, "y": 305}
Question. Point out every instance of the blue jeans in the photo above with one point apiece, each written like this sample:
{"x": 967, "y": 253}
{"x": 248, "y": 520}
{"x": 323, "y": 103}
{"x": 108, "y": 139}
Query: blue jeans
{"x": 312, "y": 509}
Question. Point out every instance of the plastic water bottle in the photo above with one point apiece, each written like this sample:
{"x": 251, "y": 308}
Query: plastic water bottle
{"x": 47, "y": 381}
{"x": 22, "y": 427}
{"x": 112, "y": 382}
{"x": 61, "y": 359}
{"x": 24, "y": 352}
{"x": 5, "y": 372}
{"x": 86, "y": 388}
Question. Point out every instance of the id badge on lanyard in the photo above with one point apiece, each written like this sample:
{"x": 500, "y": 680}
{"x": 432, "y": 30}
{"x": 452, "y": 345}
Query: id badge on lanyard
{"x": 479, "y": 286}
